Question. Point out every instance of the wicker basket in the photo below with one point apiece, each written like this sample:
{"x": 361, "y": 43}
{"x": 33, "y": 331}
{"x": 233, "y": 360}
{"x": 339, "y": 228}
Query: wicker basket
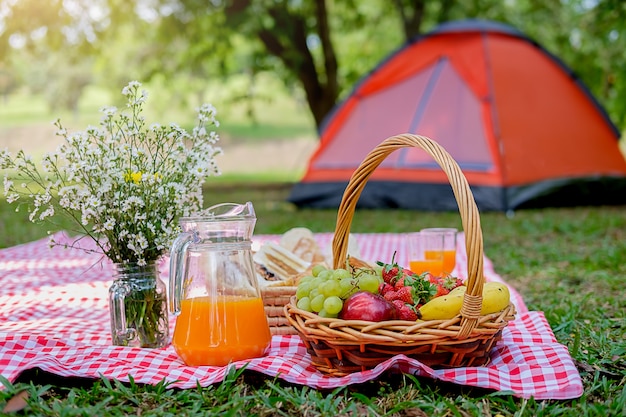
{"x": 274, "y": 301}
{"x": 339, "y": 347}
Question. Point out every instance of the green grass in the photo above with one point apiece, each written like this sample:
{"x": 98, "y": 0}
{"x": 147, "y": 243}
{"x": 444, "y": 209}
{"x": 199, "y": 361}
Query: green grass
{"x": 569, "y": 263}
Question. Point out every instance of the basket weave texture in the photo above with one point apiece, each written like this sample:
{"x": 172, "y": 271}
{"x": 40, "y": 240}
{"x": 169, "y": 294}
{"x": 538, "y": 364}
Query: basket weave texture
{"x": 274, "y": 301}
{"x": 339, "y": 347}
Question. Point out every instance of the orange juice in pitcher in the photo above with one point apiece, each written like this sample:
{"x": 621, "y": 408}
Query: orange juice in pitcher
{"x": 214, "y": 291}
{"x": 217, "y": 332}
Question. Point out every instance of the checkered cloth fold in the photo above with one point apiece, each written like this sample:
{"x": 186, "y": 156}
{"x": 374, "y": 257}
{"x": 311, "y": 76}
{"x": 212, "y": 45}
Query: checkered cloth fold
{"x": 54, "y": 316}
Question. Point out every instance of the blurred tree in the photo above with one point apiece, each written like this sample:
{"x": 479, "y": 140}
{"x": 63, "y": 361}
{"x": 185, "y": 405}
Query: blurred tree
{"x": 57, "y": 41}
{"x": 304, "y": 41}
{"x": 598, "y": 44}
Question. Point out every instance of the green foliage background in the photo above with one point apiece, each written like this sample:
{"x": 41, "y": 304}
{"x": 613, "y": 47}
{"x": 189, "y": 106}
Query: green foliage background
{"x": 189, "y": 48}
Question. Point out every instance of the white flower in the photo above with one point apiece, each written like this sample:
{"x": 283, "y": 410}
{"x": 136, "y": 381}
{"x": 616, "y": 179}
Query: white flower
{"x": 12, "y": 197}
{"x": 8, "y": 185}
{"x": 5, "y": 159}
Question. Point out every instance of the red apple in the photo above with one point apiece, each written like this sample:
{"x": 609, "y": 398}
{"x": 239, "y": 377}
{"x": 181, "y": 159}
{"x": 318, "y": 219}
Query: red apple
{"x": 364, "y": 305}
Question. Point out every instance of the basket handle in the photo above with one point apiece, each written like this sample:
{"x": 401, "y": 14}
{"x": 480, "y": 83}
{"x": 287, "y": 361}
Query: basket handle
{"x": 472, "y": 302}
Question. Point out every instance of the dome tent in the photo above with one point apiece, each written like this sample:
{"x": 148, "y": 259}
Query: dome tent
{"x": 524, "y": 130}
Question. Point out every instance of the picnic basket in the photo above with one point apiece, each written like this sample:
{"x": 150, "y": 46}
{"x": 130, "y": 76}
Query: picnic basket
{"x": 274, "y": 301}
{"x": 339, "y": 347}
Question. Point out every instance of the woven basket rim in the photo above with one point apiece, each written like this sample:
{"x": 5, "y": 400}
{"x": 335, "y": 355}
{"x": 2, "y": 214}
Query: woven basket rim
{"x": 350, "y": 332}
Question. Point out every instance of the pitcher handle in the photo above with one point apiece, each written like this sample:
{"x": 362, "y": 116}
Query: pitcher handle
{"x": 178, "y": 262}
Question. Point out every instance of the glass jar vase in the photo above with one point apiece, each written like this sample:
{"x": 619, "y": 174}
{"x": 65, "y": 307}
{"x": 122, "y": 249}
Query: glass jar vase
{"x": 138, "y": 306}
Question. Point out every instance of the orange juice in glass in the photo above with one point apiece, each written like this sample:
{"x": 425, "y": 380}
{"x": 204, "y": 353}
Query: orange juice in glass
{"x": 425, "y": 254}
{"x": 449, "y": 260}
{"x": 218, "y": 330}
{"x": 419, "y": 266}
{"x": 448, "y": 242}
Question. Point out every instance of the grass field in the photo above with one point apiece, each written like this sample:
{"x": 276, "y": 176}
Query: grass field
{"x": 569, "y": 263}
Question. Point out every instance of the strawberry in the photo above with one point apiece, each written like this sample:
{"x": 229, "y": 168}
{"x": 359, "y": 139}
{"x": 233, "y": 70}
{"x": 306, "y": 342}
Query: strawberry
{"x": 384, "y": 288}
{"x": 391, "y": 272}
{"x": 398, "y": 303}
{"x": 406, "y": 271}
{"x": 405, "y": 294}
{"x": 441, "y": 290}
{"x": 399, "y": 283}
{"x": 407, "y": 313}
{"x": 390, "y": 295}
{"x": 451, "y": 282}
{"x": 403, "y": 284}
{"x": 431, "y": 278}
{"x": 444, "y": 285}
{"x": 422, "y": 289}
{"x": 391, "y": 275}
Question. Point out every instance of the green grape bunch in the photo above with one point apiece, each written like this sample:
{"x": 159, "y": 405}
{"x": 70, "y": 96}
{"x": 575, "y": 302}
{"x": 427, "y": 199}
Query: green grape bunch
{"x": 324, "y": 290}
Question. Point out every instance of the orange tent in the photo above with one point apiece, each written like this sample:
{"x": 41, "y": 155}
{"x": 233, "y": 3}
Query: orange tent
{"x": 524, "y": 130}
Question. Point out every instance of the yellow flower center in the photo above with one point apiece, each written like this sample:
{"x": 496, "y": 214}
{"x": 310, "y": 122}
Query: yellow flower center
{"x": 132, "y": 176}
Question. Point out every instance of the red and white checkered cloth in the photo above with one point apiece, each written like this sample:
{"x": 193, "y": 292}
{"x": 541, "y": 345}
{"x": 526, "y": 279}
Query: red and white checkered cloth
{"x": 54, "y": 316}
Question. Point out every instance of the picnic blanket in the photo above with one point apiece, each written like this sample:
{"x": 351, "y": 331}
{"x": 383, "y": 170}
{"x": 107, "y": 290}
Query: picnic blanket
{"x": 54, "y": 316}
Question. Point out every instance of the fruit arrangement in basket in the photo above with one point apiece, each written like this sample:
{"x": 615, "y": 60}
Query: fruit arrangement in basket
{"x": 389, "y": 292}
{"x": 355, "y": 317}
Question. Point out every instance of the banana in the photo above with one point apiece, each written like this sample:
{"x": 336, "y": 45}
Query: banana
{"x": 460, "y": 289}
{"x": 443, "y": 307}
{"x": 496, "y": 297}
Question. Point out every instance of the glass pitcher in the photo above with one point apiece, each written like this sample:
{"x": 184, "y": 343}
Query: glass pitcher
{"x": 213, "y": 288}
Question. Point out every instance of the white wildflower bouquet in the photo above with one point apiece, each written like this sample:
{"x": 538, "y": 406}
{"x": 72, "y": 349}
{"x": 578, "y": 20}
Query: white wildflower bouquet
{"x": 124, "y": 184}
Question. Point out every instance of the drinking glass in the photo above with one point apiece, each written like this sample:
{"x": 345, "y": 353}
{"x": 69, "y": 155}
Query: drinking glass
{"x": 447, "y": 235}
{"x": 426, "y": 253}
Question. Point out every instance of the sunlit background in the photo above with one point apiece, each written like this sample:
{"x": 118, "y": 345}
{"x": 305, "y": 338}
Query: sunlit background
{"x": 274, "y": 70}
